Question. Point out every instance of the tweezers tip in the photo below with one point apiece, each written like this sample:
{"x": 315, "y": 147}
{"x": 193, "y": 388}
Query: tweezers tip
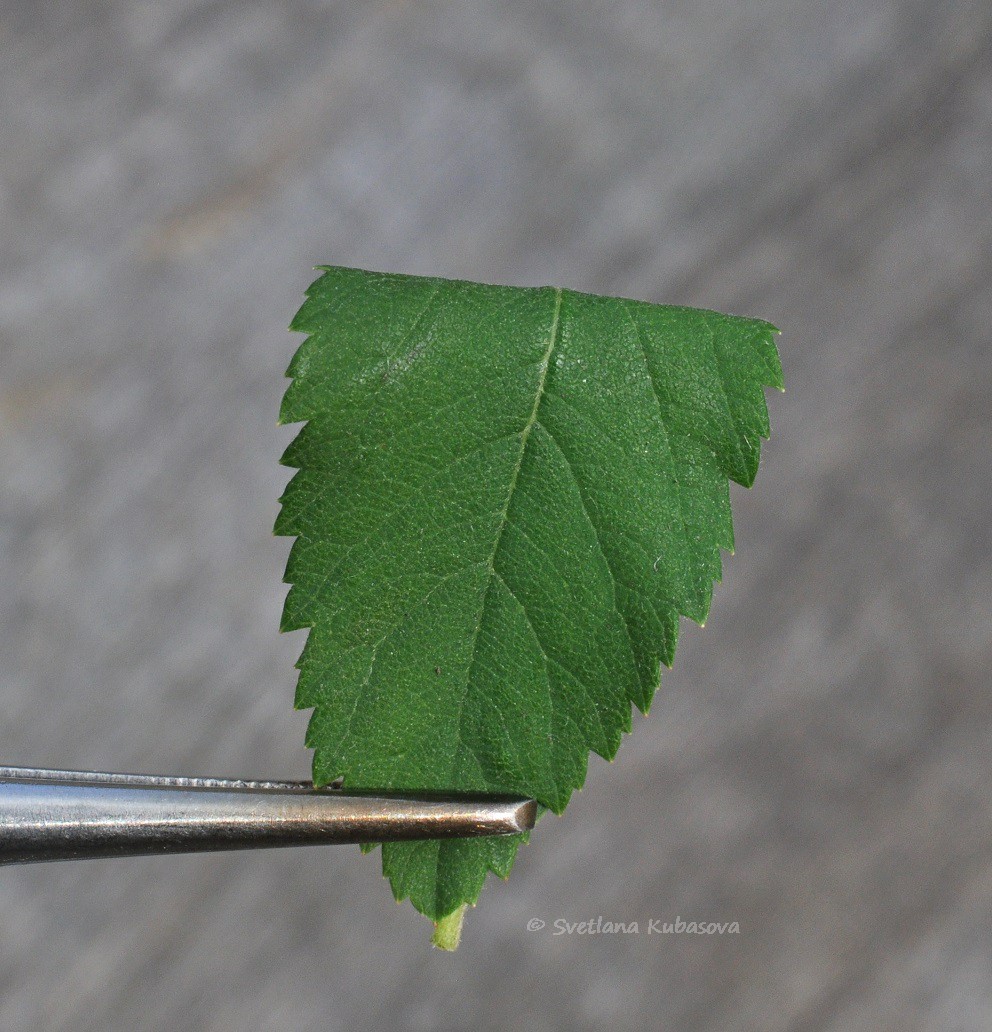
{"x": 525, "y": 815}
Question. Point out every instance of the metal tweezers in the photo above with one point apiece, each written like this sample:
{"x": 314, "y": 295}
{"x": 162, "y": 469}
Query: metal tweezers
{"x": 75, "y": 815}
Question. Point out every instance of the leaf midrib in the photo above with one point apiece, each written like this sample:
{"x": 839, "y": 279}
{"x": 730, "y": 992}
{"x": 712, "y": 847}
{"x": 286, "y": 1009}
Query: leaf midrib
{"x": 545, "y": 365}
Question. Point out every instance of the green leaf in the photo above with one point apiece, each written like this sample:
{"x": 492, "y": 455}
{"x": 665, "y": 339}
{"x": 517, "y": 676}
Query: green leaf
{"x": 505, "y": 498}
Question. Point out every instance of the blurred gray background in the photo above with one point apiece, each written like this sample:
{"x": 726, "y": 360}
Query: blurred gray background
{"x": 818, "y": 765}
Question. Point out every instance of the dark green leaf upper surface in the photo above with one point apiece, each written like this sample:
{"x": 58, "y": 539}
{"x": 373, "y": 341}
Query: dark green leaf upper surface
{"x": 505, "y": 498}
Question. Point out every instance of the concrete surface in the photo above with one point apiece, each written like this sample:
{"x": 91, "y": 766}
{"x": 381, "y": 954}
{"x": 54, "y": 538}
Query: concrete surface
{"x": 818, "y": 765}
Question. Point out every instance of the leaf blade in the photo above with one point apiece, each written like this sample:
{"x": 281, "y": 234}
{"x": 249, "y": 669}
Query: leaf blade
{"x": 505, "y": 498}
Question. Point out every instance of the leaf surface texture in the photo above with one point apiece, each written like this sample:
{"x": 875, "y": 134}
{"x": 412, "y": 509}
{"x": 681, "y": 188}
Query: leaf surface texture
{"x": 505, "y": 498}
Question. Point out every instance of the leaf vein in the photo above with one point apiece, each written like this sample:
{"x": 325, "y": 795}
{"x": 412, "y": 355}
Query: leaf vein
{"x": 524, "y": 437}
{"x": 664, "y": 426}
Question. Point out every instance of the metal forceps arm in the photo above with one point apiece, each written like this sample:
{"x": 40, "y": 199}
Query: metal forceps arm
{"x": 73, "y": 815}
